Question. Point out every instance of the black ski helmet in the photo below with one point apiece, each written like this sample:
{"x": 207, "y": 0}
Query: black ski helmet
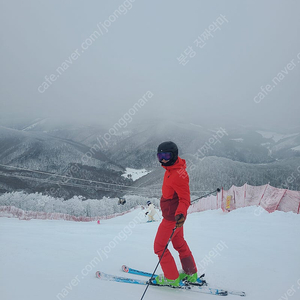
{"x": 169, "y": 147}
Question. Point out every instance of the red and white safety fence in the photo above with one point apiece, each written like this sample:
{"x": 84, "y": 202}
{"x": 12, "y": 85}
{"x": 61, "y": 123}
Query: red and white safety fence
{"x": 266, "y": 196}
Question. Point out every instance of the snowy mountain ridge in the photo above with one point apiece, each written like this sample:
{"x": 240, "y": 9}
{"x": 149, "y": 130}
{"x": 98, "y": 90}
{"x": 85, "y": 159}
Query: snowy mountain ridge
{"x": 74, "y": 150}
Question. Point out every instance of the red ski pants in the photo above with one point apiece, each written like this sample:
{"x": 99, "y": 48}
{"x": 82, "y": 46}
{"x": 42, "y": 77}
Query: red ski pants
{"x": 167, "y": 263}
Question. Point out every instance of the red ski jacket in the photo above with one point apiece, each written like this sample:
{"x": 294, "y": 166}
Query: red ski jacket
{"x": 175, "y": 198}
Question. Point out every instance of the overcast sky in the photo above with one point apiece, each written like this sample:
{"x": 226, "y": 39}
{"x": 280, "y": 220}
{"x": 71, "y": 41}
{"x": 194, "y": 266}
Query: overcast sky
{"x": 105, "y": 55}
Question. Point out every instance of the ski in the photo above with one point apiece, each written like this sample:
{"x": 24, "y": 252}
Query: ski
{"x": 109, "y": 277}
{"x": 200, "y": 282}
{"x": 199, "y": 289}
{"x": 136, "y": 272}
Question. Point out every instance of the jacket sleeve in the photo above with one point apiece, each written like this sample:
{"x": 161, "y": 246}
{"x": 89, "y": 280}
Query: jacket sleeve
{"x": 182, "y": 189}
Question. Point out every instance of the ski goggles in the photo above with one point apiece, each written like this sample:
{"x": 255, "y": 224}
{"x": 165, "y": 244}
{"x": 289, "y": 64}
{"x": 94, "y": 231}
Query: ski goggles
{"x": 164, "y": 155}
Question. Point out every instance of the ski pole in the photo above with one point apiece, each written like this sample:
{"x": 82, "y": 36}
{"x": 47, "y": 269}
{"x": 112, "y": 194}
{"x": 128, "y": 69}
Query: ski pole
{"x": 158, "y": 263}
{"x": 217, "y": 190}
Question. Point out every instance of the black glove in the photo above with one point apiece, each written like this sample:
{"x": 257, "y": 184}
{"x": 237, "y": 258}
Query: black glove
{"x": 179, "y": 220}
{"x": 146, "y": 213}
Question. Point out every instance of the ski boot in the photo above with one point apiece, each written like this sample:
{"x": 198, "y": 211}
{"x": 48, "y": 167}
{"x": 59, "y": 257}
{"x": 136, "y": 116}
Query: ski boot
{"x": 163, "y": 281}
{"x": 192, "y": 279}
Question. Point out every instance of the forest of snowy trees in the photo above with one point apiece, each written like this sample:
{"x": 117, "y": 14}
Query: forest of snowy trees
{"x": 76, "y": 206}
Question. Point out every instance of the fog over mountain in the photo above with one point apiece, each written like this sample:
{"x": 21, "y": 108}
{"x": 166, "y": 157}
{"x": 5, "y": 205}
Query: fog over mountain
{"x": 90, "y": 89}
{"x": 95, "y": 60}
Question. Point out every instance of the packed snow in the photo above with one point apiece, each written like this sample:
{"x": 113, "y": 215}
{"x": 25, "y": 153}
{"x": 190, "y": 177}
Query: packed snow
{"x": 247, "y": 249}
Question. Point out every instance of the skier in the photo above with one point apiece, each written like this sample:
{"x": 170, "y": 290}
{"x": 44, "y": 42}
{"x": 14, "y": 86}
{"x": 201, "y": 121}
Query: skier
{"x": 174, "y": 204}
{"x": 151, "y": 211}
{"x": 121, "y": 201}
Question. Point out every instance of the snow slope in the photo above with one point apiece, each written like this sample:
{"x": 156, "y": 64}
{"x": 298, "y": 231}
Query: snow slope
{"x": 275, "y": 136}
{"x": 50, "y": 260}
{"x": 296, "y": 148}
{"x": 135, "y": 173}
